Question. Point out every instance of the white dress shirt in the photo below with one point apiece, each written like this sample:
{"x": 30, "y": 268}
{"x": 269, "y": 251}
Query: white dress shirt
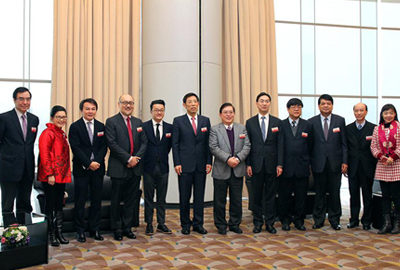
{"x": 266, "y": 120}
{"x": 160, "y": 128}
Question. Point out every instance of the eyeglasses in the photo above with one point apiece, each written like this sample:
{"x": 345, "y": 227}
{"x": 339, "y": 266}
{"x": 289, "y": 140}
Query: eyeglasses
{"x": 228, "y": 112}
{"x": 158, "y": 111}
{"x": 21, "y": 99}
{"x": 60, "y": 117}
{"x": 296, "y": 106}
{"x": 127, "y": 103}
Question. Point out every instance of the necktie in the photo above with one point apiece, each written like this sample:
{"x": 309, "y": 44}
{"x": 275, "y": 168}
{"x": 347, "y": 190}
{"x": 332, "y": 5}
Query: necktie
{"x": 229, "y": 131}
{"x": 294, "y": 128}
{"x": 263, "y": 127}
{"x": 128, "y": 123}
{"x": 24, "y": 125}
{"x": 359, "y": 127}
{"x": 194, "y": 126}
{"x": 90, "y": 133}
{"x": 158, "y": 132}
{"x": 326, "y": 128}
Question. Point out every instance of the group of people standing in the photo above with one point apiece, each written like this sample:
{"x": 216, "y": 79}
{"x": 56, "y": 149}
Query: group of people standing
{"x": 275, "y": 154}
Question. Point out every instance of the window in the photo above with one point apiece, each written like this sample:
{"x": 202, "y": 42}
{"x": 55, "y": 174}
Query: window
{"x": 26, "y": 27}
{"x": 332, "y": 46}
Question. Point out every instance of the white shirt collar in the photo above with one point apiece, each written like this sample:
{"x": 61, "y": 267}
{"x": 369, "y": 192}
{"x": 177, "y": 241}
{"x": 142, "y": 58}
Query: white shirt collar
{"x": 155, "y": 123}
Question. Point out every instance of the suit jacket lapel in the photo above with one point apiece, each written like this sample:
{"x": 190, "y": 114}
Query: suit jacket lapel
{"x": 189, "y": 124}
{"x": 84, "y": 130}
{"x": 14, "y": 118}
{"x": 257, "y": 124}
{"x": 224, "y": 135}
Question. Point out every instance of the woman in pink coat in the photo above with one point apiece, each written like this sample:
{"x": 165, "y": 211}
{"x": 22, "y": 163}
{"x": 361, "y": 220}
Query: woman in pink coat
{"x": 385, "y": 146}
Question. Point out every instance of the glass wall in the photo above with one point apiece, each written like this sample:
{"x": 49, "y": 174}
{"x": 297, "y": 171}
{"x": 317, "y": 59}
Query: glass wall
{"x": 26, "y": 29}
{"x": 346, "y": 48}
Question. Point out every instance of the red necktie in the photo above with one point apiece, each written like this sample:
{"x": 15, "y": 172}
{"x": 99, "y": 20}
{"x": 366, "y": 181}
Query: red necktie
{"x": 128, "y": 123}
{"x": 194, "y": 126}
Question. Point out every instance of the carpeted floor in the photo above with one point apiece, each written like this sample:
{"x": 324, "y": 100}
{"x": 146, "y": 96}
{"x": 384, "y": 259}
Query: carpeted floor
{"x": 312, "y": 249}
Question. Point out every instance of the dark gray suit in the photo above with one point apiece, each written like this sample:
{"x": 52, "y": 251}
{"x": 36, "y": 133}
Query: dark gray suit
{"x": 264, "y": 157}
{"x": 225, "y": 176}
{"x": 327, "y": 158}
{"x": 125, "y": 181}
{"x": 17, "y": 163}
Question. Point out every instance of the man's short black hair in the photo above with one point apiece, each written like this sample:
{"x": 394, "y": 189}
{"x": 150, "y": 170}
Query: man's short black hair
{"x": 89, "y": 100}
{"x": 188, "y": 95}
{"x": 366, "y": 107}
{"x": 21, "y": 90}
{"x": 263, "y": 94}
{"x": 158, "y": 101}
{"x": 226, "y": 104}
{"x": 294, "y": 101}
{"x": 326, "y": 97}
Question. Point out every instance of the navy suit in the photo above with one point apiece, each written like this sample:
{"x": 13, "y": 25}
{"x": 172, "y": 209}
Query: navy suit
{"x": 17, "y": 163}
{"x": 264, "y": 157}
{"x": 361, "y": 171}
{"x": 84, "y": 178}
{"x": 327, "y": 158}
{"x": 156, "y": 170}
{"x": 191, "y": 151}
{"x": 296, "y": 171}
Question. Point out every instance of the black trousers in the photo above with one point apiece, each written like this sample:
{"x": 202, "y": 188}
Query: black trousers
{"x": 258, "y": 181}
{"x": 235, "y": 186}
{"x": 54, "y": 197}
{"x": 156, "y": 181}
{"x": 94, "y": 182}
{"x": 288, "y": 185}
{"x": 390, "y": 192}
{"x": 197, "y": 180}
{"x": 360, "y": 180}
{"x": 19, "y": 190}
{"x": 126, "y": 190}
{"x": 327, "y": 181}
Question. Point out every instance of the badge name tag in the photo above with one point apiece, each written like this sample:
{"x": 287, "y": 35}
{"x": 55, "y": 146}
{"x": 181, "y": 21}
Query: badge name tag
{"x": 336, "y": 130}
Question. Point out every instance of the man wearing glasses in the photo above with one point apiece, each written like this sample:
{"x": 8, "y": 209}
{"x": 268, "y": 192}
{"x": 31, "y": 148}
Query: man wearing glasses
{"x": 156, "y": 167}
{"x": 127, "y": 142}
{"x": 297, "y": 134}
{"x": 18, "y": 131}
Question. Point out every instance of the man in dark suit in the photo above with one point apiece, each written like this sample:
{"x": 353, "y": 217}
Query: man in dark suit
{"x": 127, "y": 143}
{"x": 18, "y": 131}
{"x": 89, "y": 146}
{"x": 192, "y": 161}
{"x": 265, "y": 161}
{"x": 328, "y": 162}
{"x": 362, "y": 166}
{"x": 156, "y": 166}
{"x": 297, "y": 134}
{"x": 230, "y": 145}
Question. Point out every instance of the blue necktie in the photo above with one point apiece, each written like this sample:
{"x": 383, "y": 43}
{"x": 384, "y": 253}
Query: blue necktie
{"x": 263, "y": 128}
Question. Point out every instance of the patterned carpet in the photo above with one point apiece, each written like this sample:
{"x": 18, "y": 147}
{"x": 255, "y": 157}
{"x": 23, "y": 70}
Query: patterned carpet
{"x": 312, "y": 249}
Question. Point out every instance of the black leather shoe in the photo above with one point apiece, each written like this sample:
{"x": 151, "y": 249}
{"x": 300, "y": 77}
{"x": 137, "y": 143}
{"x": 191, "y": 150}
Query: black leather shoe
{"x": 81, "y": 237}
{"x": 300, "y": 227}
{"x": 257, "y": 229}
{"x": 285, "y": 227}
{"x": 149, "y": 229}
{"x": 317, "y": 226}
{"x": 185, "y": 231}
{"x": 162, "y": 228}
{"x": 270, "y": 229}
{"x": 200, "y": 230}
{"x": 352, "y": 224}
{"x": 222, "y": 231}
{"x": 129, "y": 234}
{"x": 236, "y": 229}
{"x": 96, "y": 235}
{"x": 336, "y": 227}
{"x": 118, "y": 236}
{"x": 366, "y": 227}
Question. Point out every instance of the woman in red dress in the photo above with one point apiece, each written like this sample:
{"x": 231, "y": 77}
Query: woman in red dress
{"x": 54, "y": 171}
{"x": 385, "y": 146}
